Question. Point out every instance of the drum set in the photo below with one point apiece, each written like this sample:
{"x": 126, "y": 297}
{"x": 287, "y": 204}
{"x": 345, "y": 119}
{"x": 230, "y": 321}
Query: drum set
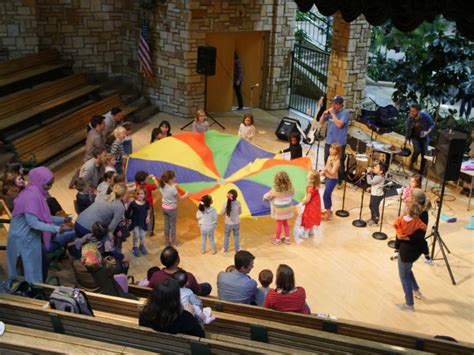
{"x": 361, "y": 151}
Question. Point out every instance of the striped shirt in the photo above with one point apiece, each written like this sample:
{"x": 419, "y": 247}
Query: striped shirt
{"x": 117, "y": 150}
{"x": 281, "y": 205}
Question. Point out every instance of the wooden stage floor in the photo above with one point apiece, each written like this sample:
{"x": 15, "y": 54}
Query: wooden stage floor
{"x": 347, "y": 273}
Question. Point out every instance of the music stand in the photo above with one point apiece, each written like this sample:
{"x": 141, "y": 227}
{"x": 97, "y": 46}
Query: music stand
{"x": 205, "y": 109}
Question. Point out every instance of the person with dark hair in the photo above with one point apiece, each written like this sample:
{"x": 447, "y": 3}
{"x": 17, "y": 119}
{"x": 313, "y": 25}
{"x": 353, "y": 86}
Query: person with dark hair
{"x": 93, "y": 169}
{"x": 207, "y": 221}
{"x": 112, "y": 120}
{"x": 84, "y": 196}
{"x": 286, "y": 297}
{"x": 150, "y": 184}
{"x": 95, "y": 141}
{"x": 144, "y": 282}
{"x": 232, "y": 210}
{"x": 170, "y": 259}
{"x": 163, "y": 311}
{"x": 376, "y": 181}
{"x": 265, "y": 277}
{"x": 295, "y": 149}
{"x": 105, "y": 183}
{"x": 237, "y": 286}
{"x": 418, "y": 128}
{"x": 165, "y": 127}
{"x": 238, "y": 76}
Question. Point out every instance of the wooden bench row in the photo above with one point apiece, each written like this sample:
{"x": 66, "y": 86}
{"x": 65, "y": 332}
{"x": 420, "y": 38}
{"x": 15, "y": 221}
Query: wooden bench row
{"x": 32, "y": 341}
{"x": 275, "y": 335}
{"x": 23, "y": 105}
{"x": 57, "y": 136}
{"x": 343, "y": 327}
{"x": 22, "y": 311}
{"x": 30, "y": 66}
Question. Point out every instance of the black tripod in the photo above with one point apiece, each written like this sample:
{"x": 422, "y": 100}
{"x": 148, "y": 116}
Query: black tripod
{"x": 342, "y": 212}
{"x": 205, "y": 109}
{"x": 437, "y": 237}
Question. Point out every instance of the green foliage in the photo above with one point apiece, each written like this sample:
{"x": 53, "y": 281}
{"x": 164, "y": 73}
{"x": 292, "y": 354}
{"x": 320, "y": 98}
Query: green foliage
{"x": 380, "y": 67}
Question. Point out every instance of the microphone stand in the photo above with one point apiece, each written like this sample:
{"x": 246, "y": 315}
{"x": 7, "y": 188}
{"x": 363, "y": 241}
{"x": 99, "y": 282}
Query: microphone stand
{"x": 381, "y": 235}
{"x": 391, "y": 243}
{"x": 360, "y": 222}
{"x": 342, "y": 212}
{"x": 251, "y": 96}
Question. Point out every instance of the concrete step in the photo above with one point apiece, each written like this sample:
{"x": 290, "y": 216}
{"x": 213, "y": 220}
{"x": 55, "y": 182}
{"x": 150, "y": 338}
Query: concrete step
{"x": 145, "y": 113}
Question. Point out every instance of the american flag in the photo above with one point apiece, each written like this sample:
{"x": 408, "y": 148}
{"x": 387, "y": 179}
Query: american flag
{"x": 144, "y": 53}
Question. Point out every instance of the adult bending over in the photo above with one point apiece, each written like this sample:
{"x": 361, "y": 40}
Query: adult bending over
{"x": 286, "y": 297}
{"x": 163, "y": 311}
{"x": 409, "y": 252}
{"x": 33, "y": 229}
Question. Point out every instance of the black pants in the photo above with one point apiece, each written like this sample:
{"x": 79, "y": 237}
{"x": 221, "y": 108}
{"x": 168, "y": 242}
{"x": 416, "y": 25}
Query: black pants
{"x": 342, "y": 169}
{"x": 238, "y": 93}
{"x": 420, "y": 146}
{"x": 374, "y": 207}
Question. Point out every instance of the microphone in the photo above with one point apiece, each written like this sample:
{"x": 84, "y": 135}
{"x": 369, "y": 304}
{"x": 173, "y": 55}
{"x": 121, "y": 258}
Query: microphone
{"x": 255, "y": 86}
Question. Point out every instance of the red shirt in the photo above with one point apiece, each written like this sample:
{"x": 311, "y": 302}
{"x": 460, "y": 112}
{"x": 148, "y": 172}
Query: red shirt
{"x": 287, "y": 302}
{"x": 149, "y": 188}
{"x": 162, "y": 275}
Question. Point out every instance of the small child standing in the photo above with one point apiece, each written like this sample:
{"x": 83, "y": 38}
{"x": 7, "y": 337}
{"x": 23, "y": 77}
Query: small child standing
{"x": 330, "y": 171}
{"x": 169, "y": 195}
{"x": 406, "y": 225}
{"x": 232, "y": 210}
{"x": 200, "y": 124}
{"x": 376, "y": 180}
{"x": 311, "y": 218}
{"x": 150, "y": 184}
{"x": 295, "y": 149}
{"x": 281, "y": 197}
{"x": 246, "y": 128}
{"x": 139, "y": 213}
{"x": 415, "y": 183}
{"x": 117, "y": 148}
{"x": 84, "y": 196}
{"x": 189, "y": 299}
{"x": 207, "y": 220}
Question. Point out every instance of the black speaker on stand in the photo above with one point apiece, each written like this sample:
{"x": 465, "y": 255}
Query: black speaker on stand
{"x": 286, "y": 127}
{"x": 206, "y": 65}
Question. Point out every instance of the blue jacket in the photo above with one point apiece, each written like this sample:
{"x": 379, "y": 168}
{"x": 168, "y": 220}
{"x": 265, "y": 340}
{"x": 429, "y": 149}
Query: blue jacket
{"x": 426, "y": 122}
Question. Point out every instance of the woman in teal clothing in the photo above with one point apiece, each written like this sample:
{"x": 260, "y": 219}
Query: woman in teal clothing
{"x": 32, "y": 224}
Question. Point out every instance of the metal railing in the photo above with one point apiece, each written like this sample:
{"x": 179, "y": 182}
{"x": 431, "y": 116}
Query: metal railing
{"x": 313, "y": 29}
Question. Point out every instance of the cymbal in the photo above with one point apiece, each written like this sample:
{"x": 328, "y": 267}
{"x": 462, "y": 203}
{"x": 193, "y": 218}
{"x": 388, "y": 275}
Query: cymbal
{"x": 375, "y": 144}
{"x": 359, "y": 134}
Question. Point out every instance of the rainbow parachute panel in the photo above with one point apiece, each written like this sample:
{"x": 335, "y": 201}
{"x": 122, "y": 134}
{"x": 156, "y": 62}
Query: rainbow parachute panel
{"x": 214, "y": 163}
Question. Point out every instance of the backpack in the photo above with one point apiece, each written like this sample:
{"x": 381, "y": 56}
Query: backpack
{"x": 71, "y": 300}
{"x": 90, "y": 256}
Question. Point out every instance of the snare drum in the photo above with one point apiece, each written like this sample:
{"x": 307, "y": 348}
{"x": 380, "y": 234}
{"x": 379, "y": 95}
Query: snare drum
{"x": 356, "y": 165}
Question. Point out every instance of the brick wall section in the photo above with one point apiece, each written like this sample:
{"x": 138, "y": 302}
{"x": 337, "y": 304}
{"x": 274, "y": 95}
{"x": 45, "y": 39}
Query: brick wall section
{"x": 348, "y": 61}
{"x": 182, "y": 29}
{"x": 18, "y": 27}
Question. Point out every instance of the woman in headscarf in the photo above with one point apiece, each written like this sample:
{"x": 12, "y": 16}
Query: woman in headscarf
{"x": 32, "y": 227}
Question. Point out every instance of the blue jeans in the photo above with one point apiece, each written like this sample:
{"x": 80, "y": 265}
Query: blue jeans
{"x": 138, "y": 237}
{"x": 330, "y": 185}
{"x": 62, "y": 240}
{"x": 205, "y": 232}
{"x": 420, "y": 147}
{"x": 408, "y": 280}
{"x": 236, "y": 229}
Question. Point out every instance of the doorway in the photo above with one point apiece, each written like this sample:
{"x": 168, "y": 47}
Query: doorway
{"x": 249, "y": 47}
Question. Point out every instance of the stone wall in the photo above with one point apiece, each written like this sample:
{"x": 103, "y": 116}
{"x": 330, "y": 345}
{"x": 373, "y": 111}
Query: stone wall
{"x": 348, "y": 62}
{"x": 181, "y": 28}
{"x": 18, "y": 27}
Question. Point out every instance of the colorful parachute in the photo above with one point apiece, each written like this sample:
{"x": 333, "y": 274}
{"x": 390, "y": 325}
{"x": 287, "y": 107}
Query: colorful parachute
{"x": 213, "y": 163}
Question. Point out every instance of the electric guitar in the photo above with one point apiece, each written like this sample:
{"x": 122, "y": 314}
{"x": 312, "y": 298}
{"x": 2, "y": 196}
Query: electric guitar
{"x": 314, "y": 125}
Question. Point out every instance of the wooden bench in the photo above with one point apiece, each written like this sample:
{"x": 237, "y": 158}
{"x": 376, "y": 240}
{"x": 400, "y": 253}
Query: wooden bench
{"x": 23, "y": 311}
{"x": 275, "y": 335}
{"x": 26, "y": 104}
{"x": 20, "y": 70}
{"x": 48, "y": 141}
{"x": 32, "y": 341}
{"x": 343, "y": 327}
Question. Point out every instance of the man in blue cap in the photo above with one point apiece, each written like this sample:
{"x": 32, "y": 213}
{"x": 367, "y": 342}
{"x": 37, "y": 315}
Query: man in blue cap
{"x": 338, "y": 118}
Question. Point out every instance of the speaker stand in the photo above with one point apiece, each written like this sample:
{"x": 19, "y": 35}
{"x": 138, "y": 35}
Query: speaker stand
{"x": 205, "y": 110}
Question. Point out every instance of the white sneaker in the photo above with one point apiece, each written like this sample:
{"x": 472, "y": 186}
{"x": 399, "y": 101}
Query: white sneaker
{"x": 429, "y": 262}
{"x": 406, "y": 308}
{"x": 418, "y": 295}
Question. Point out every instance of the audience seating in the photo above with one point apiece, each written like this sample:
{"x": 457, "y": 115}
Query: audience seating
{"x": 24, "y": 105}
{"x": 32, "y": 341}
{"x": 19, "y": 72}
{"x": 230, "y": 326}
{"x": 65, "y": 132}
{"x": 28, "y": 312}
{"x": 343, "y": 327}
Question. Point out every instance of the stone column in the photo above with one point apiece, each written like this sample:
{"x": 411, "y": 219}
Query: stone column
{"x": 348, "y": 62}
